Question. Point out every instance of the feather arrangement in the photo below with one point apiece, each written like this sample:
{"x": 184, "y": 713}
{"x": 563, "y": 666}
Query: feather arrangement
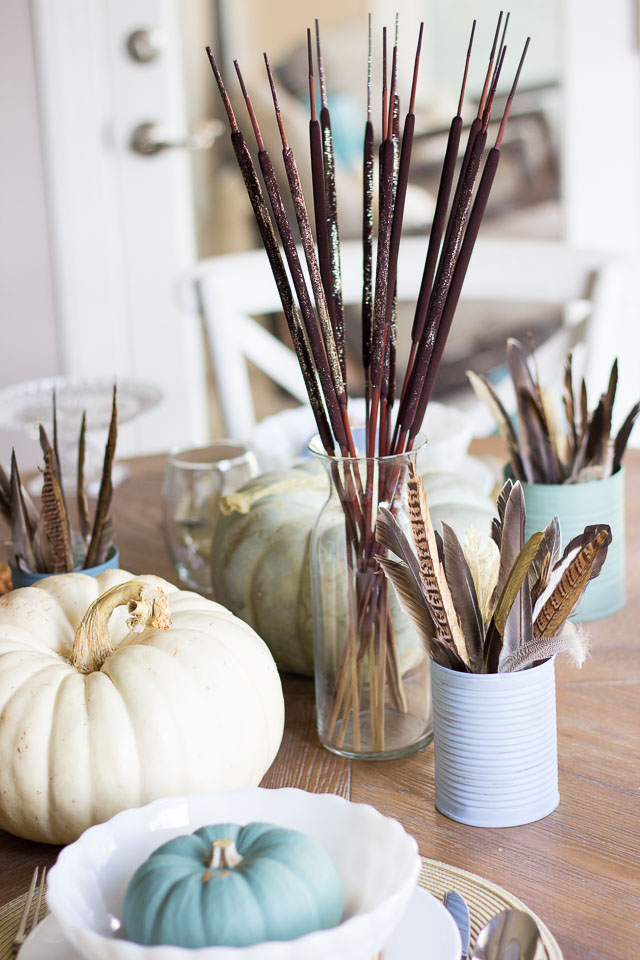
{"x": 43, "y": 541}
{"x": 496, "y": 605}
{"x": 543, "y": 449}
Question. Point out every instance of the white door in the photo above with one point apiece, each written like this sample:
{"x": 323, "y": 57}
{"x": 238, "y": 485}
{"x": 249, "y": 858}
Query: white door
{"x": 122, "y": 225}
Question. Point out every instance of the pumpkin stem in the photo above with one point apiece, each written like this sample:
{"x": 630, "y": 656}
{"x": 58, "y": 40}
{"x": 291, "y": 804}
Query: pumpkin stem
{"x": 148, "y": 607}
{"x": 223, "y": 854}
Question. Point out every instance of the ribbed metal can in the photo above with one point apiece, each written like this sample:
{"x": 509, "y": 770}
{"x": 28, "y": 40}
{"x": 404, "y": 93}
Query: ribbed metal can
{"x": 578, "y": 505}
{"x": 496, "y": 746}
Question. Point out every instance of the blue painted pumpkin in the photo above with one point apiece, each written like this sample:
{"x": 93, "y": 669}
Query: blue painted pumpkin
{"x": 232, "y": 885}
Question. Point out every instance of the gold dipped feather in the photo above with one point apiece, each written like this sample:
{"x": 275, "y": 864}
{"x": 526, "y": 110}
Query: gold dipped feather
{"x": 516, "y": 578}
{"x": 434, "y": 582}
{"x": 566, "y": 593}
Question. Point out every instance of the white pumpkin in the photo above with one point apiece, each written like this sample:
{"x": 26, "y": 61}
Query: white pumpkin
{"x": 93, "y": 721}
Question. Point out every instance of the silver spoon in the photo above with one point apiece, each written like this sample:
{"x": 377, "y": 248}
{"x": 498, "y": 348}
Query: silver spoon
{"x": 510, "y": 935}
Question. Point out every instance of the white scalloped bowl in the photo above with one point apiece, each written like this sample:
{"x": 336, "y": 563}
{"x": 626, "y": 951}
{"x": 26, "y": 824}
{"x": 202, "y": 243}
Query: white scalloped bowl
{"x": 377, "y": 860}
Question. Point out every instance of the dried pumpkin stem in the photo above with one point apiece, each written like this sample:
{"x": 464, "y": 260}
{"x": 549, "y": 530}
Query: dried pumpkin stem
{"x": 147, "y": 605}
{"x": 223, "y": 854}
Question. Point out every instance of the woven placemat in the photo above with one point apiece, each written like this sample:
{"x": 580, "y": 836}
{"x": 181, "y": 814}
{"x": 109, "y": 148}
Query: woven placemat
{"x": 484, "y": 898}
{"x": 10, "y": 915}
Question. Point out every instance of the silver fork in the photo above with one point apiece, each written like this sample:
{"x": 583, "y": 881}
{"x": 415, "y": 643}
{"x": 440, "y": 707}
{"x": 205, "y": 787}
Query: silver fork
{"x": 25, "y": 928}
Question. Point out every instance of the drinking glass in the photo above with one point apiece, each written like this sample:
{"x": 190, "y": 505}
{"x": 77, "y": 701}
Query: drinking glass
{"x": 194, "y": 481}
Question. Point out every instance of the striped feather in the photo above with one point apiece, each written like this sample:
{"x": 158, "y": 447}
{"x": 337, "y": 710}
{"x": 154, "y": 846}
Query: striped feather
{"x": 54, "y": 518}
{"x": 434, "y": 582}
{"x": 571, "y": 576}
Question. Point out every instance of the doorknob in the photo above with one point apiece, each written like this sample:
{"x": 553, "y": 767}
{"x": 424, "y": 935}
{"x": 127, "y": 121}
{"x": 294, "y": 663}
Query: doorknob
{"x": 151, "y": 138}
{"x": 145, "y": 45}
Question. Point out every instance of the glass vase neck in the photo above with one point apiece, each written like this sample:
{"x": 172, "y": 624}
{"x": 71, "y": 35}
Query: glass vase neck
{"x": 316, "y": 448}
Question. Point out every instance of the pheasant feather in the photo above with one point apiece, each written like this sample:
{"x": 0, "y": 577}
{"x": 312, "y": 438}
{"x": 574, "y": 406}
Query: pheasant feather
{"x": 572, "y": 575}
{"x": 406, "y": 579}
{"x": 434, "y": 582}
{"x": 54, "y": 517}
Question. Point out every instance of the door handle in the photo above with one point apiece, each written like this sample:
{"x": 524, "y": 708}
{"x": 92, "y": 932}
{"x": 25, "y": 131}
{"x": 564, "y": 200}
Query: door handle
{"x": 149, "y": 139}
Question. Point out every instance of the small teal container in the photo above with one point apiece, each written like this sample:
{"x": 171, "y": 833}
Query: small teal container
{"x": 20, "y": 578}
{"x": 577, "y": 505}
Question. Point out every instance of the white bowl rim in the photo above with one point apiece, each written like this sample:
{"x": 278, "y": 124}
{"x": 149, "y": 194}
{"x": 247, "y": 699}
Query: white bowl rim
{"x": 265, "y": 948}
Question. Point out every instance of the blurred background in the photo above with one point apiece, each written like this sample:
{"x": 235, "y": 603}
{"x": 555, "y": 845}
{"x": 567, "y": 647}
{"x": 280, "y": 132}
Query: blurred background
{"x": 117, "y": 176}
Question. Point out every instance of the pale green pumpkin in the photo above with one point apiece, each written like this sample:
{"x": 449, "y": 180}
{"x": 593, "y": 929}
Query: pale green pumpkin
{"x": 233, "y": 885}
{"x": 260, "y": 554}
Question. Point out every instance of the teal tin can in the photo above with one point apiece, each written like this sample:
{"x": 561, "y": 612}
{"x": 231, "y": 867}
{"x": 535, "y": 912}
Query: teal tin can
{"x": 577, "y": 505}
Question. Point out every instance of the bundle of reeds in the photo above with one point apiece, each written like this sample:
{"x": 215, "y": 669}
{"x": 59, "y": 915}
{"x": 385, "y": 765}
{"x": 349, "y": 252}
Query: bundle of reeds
{"x": 313, "y": 305}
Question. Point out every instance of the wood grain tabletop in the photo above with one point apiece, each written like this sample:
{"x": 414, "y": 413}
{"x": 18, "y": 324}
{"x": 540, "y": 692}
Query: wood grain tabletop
{"x": 578, "y": 869}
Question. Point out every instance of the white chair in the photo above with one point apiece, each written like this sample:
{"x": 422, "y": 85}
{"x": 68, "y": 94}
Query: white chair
{"x": 230, "y": 291}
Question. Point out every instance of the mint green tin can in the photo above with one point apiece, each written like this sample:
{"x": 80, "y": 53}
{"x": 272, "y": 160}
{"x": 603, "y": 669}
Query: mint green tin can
{"x": 578, "y": 505}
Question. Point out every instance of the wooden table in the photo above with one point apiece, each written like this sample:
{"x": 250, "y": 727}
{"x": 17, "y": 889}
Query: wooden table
{"x": 578, "y": 869}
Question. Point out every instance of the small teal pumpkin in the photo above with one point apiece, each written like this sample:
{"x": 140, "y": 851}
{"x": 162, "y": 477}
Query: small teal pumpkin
{"x": 229, "y": 885}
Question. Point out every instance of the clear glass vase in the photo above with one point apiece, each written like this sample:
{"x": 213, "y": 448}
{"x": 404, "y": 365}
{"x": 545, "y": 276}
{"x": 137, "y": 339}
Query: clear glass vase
{"x": 372, "y": 674}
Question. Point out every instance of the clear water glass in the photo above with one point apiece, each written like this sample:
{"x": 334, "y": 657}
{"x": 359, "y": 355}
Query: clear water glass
{"x": 194, "y": 481}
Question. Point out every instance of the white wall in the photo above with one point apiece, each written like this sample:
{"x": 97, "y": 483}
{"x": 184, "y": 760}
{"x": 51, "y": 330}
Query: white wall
{"x": 601, "y": 167}
{"x": 28, "y": 347}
